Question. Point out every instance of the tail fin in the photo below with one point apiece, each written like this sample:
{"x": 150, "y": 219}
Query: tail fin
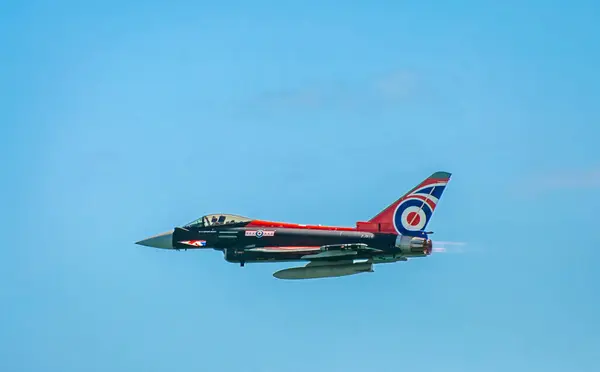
{"x": 410, "y": 214}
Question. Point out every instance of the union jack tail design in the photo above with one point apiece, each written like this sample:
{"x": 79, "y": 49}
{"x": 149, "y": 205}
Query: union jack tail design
{"x": 410, "y": 214}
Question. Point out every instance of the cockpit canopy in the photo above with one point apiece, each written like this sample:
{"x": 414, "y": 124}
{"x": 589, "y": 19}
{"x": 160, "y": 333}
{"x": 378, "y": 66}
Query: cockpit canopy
{"x": 217, "y": 219}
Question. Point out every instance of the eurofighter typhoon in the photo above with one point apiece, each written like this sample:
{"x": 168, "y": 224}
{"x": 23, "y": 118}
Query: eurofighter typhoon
{"x": 395, "y": 234}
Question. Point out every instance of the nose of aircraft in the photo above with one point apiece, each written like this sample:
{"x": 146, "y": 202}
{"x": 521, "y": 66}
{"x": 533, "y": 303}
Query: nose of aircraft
{"x": 164, "y": 241}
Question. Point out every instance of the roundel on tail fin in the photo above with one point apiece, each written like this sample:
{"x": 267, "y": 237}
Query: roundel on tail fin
{"x": 414, "y": 211}
{"x": 410, "y": 214}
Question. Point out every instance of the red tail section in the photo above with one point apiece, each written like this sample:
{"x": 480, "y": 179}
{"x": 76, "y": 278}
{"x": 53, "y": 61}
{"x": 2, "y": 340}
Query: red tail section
{"x": 410, "y": 214}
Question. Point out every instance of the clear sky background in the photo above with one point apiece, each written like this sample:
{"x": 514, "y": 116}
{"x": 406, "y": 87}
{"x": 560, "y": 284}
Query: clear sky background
{"x": 121, "y": 119}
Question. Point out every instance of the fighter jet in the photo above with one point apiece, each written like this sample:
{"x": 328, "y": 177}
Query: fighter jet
{"x": 397, "y": 233}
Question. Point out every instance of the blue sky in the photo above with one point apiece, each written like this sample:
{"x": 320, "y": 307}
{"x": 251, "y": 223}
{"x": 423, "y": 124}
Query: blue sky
{"x": 122, "y": 119}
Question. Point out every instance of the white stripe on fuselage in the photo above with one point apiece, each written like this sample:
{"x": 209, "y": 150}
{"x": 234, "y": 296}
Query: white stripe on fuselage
{"x": 283, "y": 249}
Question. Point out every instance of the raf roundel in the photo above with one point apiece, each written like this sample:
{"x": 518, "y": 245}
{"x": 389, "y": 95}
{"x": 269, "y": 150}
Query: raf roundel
{"x": 413, "y": 213}
{"x": 413, "y": 218}
{"x": 259, "y": 234}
